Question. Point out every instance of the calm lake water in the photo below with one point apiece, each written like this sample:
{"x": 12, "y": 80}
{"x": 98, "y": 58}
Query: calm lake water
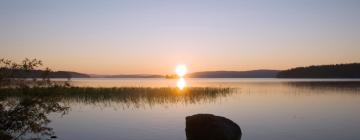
{"x": 265, "y": 109}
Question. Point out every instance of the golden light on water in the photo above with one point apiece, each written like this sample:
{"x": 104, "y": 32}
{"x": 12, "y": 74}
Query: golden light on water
{"x": 181, "y": 70}
{"x": 181, "y": 83}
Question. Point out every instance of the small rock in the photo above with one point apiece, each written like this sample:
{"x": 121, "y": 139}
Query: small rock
{"x": 211, "y": 127}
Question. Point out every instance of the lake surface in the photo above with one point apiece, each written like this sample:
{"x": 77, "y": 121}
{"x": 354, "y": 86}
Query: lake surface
{"x": 271, "y": 109}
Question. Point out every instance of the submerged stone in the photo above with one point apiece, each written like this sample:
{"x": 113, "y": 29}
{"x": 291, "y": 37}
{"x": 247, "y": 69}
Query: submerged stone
{"x": 211, "y": 127}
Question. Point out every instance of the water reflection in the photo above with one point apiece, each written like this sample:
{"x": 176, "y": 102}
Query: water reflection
{"x": 27, "y": 118}
{"x": 352, "y": 85}
{"x": 25, "y": 112}
{"x": 32, "y": 106}
{"x": 181, "y": 83}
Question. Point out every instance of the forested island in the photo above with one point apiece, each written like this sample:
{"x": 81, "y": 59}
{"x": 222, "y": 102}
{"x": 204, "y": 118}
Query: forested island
{"x": 323, "y": 71}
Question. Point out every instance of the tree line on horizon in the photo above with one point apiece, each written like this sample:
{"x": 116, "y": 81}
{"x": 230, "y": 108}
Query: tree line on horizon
{"x": 351, "y": 70}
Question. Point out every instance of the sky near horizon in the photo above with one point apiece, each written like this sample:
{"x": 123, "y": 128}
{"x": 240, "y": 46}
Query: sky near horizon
{"x": 153, "y": 36}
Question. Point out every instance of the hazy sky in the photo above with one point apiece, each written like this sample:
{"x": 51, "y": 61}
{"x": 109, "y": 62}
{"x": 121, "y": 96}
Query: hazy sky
{"x": 152, "y": 36}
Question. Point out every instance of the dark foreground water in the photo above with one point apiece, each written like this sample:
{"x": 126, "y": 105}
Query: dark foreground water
{"x": 265, "y": 109}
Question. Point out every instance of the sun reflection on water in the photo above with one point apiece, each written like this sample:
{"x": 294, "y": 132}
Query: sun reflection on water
{"x": 181, "y": 83}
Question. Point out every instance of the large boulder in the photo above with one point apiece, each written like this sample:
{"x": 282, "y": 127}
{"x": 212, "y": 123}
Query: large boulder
{"x": 211, "y": 127}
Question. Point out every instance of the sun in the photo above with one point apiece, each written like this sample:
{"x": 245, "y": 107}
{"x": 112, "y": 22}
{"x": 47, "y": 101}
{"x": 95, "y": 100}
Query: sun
{"x": 181, "y": 70}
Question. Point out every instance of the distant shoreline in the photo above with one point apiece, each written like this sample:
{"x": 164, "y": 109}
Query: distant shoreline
{"x": 338, "y": 71}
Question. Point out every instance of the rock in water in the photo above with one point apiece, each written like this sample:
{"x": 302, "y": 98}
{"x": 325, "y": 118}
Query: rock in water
{"x": 211, "y": 127}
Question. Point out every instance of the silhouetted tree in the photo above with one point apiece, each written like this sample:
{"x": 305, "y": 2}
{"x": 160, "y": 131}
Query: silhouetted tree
{"x": 16, "y": 74}
{"x": 26, "y": 74}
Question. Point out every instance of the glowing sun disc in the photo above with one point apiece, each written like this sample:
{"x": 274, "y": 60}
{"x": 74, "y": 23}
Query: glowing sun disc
{"x": 181, "y": 70}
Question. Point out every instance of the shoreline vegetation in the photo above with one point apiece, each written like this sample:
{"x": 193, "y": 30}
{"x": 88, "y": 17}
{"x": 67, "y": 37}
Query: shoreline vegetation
{"x": 127, "y": 95}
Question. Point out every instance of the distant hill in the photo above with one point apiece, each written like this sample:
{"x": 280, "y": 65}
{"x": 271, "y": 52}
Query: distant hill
{"x": 323, "y": 71}
{"x": 235, "y": 74}
{"x": 54, "y": 74}
{"x": 63, "y": 74}
{"x": 132, "y": 76}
